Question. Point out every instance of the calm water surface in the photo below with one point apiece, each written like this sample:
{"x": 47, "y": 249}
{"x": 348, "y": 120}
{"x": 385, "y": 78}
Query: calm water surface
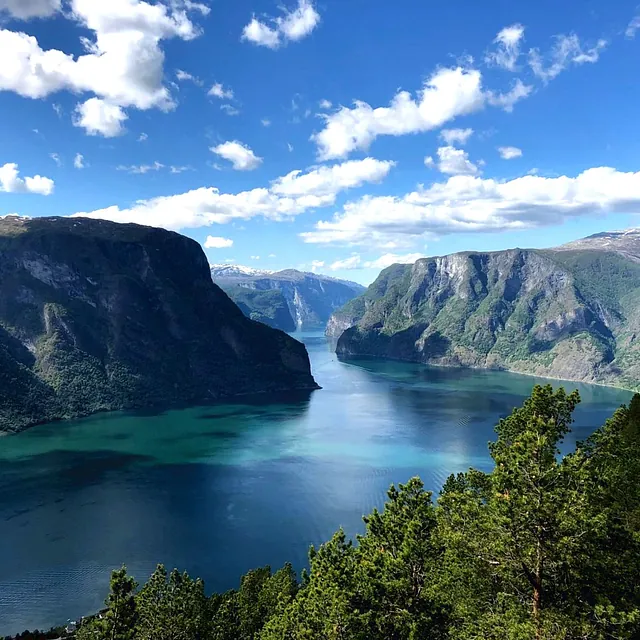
{"x": 220, "y": 490}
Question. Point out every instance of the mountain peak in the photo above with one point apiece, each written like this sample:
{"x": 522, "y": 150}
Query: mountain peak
{"x": 229, "y": 270}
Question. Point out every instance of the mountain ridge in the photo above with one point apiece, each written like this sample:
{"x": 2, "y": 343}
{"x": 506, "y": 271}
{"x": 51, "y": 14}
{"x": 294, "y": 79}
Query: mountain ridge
{"x": 570, "y": 312}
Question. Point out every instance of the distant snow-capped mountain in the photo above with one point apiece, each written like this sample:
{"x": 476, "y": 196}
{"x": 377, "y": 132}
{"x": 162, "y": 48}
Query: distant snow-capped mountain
{"x": 235, "y": 270}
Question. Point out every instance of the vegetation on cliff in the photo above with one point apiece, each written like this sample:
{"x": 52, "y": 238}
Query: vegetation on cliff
{"x": 99, "y": 316}
{"x": 543, "y": 547}
{"x": 570, "y": 313}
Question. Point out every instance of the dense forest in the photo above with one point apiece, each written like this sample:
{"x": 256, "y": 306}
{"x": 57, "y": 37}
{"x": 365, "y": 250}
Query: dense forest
{"x": 543, "y": 547}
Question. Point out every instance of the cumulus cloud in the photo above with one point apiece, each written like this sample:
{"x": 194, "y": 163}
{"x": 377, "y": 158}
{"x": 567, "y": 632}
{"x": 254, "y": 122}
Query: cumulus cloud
{"x": 454, "y": 162}
{"x": 347, "y": 264}
{"x": 326, "y": 181}
{"x": 239, "y": 155}
{"x": 519, "y": 91}
{"x": 98, "y": 117}
{"x": 429, "y": 162}
{"x": 507, "y": 48}
{"x": 508, "y": 153}
{"x": 290, "y": 27}
{"x": 456, "y": 136}
{"x": 566, "y": 51}
{"x": 10, "y": 182}
{"x": 448, "y": 93}
{"x": 78, "y": 161}
{"x": 388, "y": 259}
{"x": 184, "y": 76}
{"x": 216, "y": 242}
{"x": 218, "y": 91}
{"x": 123, "y": 63}
{"x": 26, "y": 9}
{"x": 207, "y": 206}
{"x": 325, "y": 104}
{"x": 471, "y": 204}
{"x": 316, "y": 264}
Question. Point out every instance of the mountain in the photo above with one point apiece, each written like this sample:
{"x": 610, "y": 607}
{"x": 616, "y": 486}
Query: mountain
{"x": 571, "y": 312}
{"x": 99, "y": 316}
{"x": 289, "y": 300}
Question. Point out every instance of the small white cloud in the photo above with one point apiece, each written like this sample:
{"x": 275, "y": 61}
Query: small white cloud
{"x": 183, "y": 76}
{"x": 508, "y": 48}
{"x": 388, "y": 259}
{"x": 325, "y": 104}
{"x": 290, "y": 147}
{"x": 316, "y": 264}
{"x": 255, "y": 257}
{"x": 265, "y": 122}
{"x": 456, "y": 136}
{"x": 290, "y": 27}
{"x": 240, "y": 155}
{"x": 429, "y": 162}
{"x": 173, "y": 169}
{"x": 507, "y": 100}
{"x": 216, "y": 242}
{"x": 455, "y": 162}
{"x": 271, "y": 255}
{"x": 10, "y": 182}
{"x": 229, "y": 109}
{"x": 633, "y": 26}
{"x": 98, "y": 117}
{"x": 347, "y": 264}
{"x": 141, "y": 169}
{"x": 78, "y": 161}
{"x": 56, "y": 158}
{"x": 143, "y": 137}
{"x": 508, "y": 153}
{"x": 566, "y": 50}
{"x": 218, "y": 91}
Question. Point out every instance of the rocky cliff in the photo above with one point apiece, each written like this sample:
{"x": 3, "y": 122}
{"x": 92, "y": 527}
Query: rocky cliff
{"x": 100, "y": 316}
{"x": 572, "y": 312}
{"x": 289, "y": 300}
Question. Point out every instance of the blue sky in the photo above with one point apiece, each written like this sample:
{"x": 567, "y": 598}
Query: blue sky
{"x": 327, "y": 135}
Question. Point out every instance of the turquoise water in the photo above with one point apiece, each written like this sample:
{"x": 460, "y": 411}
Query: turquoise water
{"x": 220, "y": 490}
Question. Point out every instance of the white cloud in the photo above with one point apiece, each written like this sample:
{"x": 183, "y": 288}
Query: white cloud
{"x": 229, "y": 109}
{"x": 507, "y": 100}
{"x": 207, "y": 206}
{"x": 566, "y": 50}
{"x": 508, "y": 153}
{"x": 174, "y": 170}
{"x": 633, "y": 26}
{"x": 255, "y": 257}
{"x": 58, "y": 109}
{"x": 455, "y": 162}
{"x": 265, "y": 122}
{"x": 508, "y": 48}
{"x": 123, "y": 63}
{"x": 26, "y": 9}
{"x": 218, "y": 91}
{"x": 325, "y": 104}
{"x": 447, "y": 94}
{"x": 453, "y": 136}
{"x": 326, "y": 181}
{"x": 216, "y": 242}
{"x": 10, "y": 182}
{"x": 429, "y": 162}
{"x": 56, "y": 158}
{"x": 388, "y": 259}
{"x": 347, "y": 264}
{"x": 466, "y": 204}
{"x": 78, "y": 161}
{"x": 316, "y": 264}
{"x": 183, "y": 76}
{"x": 143, "y": 137}
{"x": 240, "y": 155}
{"x": 289, "y": 147}
{"x": 98, "y": 117}
{"x": 141, "y": 169}
{"x": 290, "y": 27}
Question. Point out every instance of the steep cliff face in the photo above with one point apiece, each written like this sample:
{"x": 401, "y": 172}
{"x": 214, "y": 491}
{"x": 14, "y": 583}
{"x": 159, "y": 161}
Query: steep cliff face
{"x": 571, "y": 313}
{"x": 100, "y": 316}
{"x": 309, "y": 298}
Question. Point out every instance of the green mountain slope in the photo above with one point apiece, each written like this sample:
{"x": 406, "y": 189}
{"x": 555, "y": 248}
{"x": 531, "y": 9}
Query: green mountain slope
{"x": 100, "y": 316}
{"x": 572, "y": 312}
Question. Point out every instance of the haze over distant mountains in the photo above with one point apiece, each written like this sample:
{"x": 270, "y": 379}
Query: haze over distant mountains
{"x": 570, "y": 312}
{"x": 289, "y": 300}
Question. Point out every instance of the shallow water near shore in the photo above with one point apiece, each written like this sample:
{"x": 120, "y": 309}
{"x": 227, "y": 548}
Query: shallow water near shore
{"x": 219, "y": 490}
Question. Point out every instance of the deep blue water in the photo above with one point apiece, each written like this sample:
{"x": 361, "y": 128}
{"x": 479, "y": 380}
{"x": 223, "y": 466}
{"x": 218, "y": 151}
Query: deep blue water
{"x": 220, "y": 490}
